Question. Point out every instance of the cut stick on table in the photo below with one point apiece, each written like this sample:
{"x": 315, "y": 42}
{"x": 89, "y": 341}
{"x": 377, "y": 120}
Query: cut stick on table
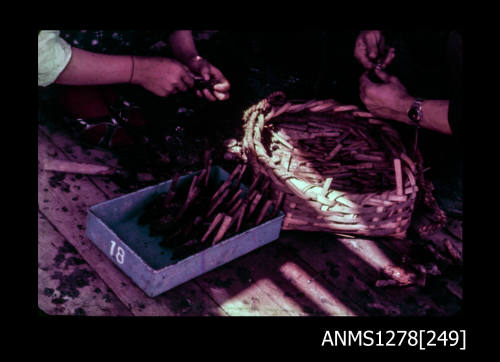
{"x": 201, "y": 177}
{"x": 193, "y": 192}
{"x": 51, "y": 164}
{"x": 254, "y": 204}
{"x": 217, "y": 203}
{"x": 235, "y": 206}
{"x": 189, "y": 201}
{"x": 344, "y": 108}
{"x": 241, "y": 215}
{"x": 234, "y": 198}
{"x": 209, "y": 168}
{"x": 399, "y": 176}
{"x": 226, "y": 183}
{"x": 264, "y": 210}
{"x": 277, "y": 205}
{"x": 240, "y": 176}
{"x": 362, "y": 157}
{"x": 254, "y": 183}
{"x": 193, "y": 185}
{"x": 171, "y": 192}
{"x": 212, "y": 226}
{"x": 207, "y": 165}
{"x": 226, "y": 222}
{"x": 235, "y": 217}
{"x": 333, "y": 152}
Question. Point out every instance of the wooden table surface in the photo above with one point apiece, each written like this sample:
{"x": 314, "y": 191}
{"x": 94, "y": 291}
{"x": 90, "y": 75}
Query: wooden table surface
{"x": 300, "y": 274}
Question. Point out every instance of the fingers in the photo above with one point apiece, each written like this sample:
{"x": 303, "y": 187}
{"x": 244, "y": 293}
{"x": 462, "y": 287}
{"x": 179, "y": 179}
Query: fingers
{"x": 170, "y": 92}
{"x": 185, "y": 79}
{"x": 385, "y": 77}
{"x": 214, "y": 94}
{"x": 205, "y": 72}
{"x": 364, "y": 81}
{"x": 360, "y": 53}
{"x": 364, "y": 84}
{"x": 388, "y": 58}
{"x": 208, "y": 95}
{"x": 181, "y": 86}
{"x": 222, "y": 83}
{"x": 222, "y": 87}
{"x": 372, "y": 39}
{"x": 221, "y": 96}
{"x": 362, "y": 95}
{"x": 188, "y": 80}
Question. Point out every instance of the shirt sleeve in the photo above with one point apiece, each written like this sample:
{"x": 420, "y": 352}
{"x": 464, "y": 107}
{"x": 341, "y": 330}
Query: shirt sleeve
{"x": 54, "y": 54}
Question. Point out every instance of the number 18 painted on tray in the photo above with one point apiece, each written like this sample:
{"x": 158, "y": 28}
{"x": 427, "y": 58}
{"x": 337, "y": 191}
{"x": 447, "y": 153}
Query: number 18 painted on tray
{"x": 120, "y": 253}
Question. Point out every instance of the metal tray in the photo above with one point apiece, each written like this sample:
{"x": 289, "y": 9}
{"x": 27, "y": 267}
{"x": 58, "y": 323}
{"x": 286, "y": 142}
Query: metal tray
{"x": 113, "y": 227}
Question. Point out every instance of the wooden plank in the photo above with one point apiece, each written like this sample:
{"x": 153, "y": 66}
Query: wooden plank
{"x": 354, "y": 276}
{"x": 239, "y": 293}
{"x": 66, "y": 283}
{"x": 291, "y": 283}
{"x": 329, "y": 258}
{"x": 65, "y": 203}
{"x": 67, "y": 148}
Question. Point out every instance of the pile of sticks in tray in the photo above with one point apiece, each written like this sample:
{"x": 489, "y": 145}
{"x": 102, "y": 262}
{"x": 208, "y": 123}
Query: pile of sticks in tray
{"x": 206, "y": 213}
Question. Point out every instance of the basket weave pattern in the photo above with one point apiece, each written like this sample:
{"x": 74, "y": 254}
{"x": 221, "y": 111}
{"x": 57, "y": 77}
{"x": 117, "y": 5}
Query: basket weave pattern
{"x": 340, "y": 169}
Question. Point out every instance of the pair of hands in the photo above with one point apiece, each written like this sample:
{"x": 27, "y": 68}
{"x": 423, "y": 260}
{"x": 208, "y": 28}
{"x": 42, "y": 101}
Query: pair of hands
{"x": 166, "y": 76}
{"x": 389, "y": 98}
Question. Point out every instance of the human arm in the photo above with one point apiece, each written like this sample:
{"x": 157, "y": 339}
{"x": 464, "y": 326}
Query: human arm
{"x": 391, "y": 100}
{"x": 161, "y": 76}
{"x": 60, "y": 63}
{"x": 88, "y": 68}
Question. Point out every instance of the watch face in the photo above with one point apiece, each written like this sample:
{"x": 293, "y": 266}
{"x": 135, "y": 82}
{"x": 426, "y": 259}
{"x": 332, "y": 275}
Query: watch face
{"x": 413, "y": 114}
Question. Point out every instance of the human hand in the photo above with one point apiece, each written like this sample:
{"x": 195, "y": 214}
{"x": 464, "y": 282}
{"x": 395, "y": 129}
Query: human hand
{"x": 220, "y": 90}
{"x": 389, "y": 99}
{"x": 370, "y": 48}
{"x": 161, "y": 76}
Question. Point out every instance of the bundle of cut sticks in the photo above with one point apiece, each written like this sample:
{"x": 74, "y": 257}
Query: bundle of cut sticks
{"x": 347, "y": 152}
{"x": 208, "y": 212}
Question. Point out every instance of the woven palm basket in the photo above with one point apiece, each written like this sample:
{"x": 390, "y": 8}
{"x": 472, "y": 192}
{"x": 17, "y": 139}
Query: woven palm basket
{"x": 340, "y": 169}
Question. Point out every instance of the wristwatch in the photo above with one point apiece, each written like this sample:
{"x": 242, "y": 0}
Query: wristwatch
{"x": 415, "y": 113}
